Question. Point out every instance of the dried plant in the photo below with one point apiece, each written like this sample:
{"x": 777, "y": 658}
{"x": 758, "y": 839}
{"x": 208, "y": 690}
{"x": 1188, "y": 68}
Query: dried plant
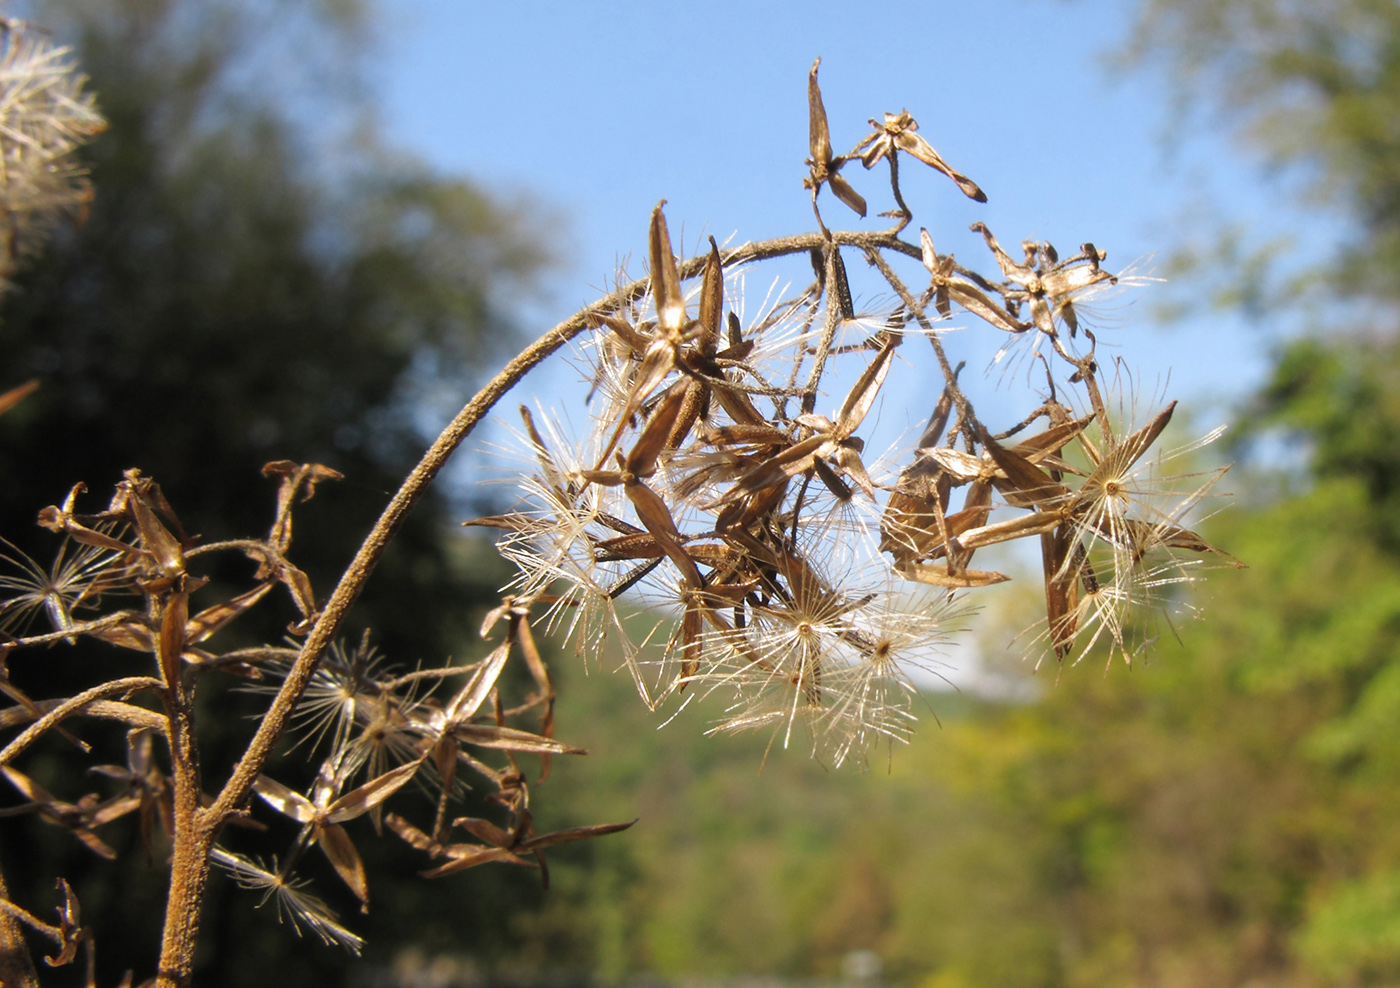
{"x": 711, "y": 484}
{"x": 791, "y": 573}
{"x": 45, "y": 115}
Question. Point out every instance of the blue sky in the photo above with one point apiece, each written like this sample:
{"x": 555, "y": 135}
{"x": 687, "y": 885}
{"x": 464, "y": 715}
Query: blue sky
{"x": 594, "y": 111}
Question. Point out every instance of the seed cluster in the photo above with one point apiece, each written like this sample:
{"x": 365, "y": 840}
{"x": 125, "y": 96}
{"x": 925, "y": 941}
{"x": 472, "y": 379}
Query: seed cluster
{"x": 711, "y": 483}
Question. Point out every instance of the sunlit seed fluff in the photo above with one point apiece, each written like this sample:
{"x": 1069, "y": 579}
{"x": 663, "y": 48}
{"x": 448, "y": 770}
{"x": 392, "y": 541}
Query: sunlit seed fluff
{"x": 298, "y": 906}
{"x": 79, "y": 573}
{"x": 45, "y": 114}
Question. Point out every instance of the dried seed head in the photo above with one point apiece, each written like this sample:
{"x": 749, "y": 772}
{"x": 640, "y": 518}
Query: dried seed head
{"x": 45, "y": 115}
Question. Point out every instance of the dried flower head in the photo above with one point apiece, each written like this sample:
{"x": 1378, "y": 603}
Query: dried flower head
{"x": 713, "y": 489}
{"x": 45, "y": 115}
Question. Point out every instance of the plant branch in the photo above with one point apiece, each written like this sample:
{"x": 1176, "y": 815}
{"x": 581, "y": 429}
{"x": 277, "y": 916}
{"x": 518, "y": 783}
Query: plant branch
{"x": 16, "y": 964}
{"x": 74, "y": 704}
{"x": 127, "y": 713}
{"x": 917, "y": 311}
{"x": 13, "y": 911}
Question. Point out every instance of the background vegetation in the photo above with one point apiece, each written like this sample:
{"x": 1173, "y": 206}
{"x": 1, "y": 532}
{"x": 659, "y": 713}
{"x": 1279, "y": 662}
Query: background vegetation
{"x": 1224, "y": 817}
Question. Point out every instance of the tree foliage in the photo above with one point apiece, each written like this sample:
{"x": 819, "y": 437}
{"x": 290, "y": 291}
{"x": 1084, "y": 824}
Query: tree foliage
{"x": 257, "y": 279}
{"x": 1313, "y": 85}
{"x": 234, "y": 295}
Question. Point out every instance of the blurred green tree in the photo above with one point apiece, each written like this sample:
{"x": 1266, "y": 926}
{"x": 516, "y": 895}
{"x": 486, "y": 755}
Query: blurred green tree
{"x": 1312, "y": 86}
{"x": 258, "y": 279}
{"x": 1226, "y": 818}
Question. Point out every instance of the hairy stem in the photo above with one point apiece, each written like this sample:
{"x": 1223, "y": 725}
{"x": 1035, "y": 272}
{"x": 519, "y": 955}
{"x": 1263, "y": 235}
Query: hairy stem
{"x": 189, "y": 873}
{"x": 71, "y": 706}
{"x": 917, "y": 311}
{"x": 193, "y": 836}
{"x": 16, "y": 965}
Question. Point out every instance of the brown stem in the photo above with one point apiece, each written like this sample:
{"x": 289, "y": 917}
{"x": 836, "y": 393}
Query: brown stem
{"x": 193, "y": 839}
{"x": 917, "y": 311}
{"x": 70, "y": 634}
{"x": 16, "y": 965}
{"x": 71, "y": 706}
{"x": 833, "y": 319}
{"x": 905, "y": 214}
{"x": 189, "y": 873}
{"x": 127, "y": 713}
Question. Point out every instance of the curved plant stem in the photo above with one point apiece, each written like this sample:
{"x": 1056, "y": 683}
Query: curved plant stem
{"x": 73, "y": 705}
{"x": 416, "y": 483}
{"x": 195, "y": 836}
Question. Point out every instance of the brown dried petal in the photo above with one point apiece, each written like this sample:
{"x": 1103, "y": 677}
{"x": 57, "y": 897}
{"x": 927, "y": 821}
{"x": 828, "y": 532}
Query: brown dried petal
{"x": 654, "y": 514}
{"x": 340, "y": 851}
{"x": 132, "y": 634}
{"x": 643, "y": 546}
{"x": 411, "y": 834}
{"x": 1130, "y": 450}
{"x": 284, "y": 800}
{"x": 846, "y": 193}
{"x": 665, "y": 277}
{"x": 781, "y": 466}
{"x": 971, "y": 298}
{"x": 70, "y": 927}
{"x": 298, "y": 482}
{"x": 486, "y": 831}
{"x": 914, "y": 144}
{"x": 1152, "y": 536}
{"x": 211, "y": 619}
{"x": 1036, "y": 448}
{"x": 30, "y": 789}
{"x": 1061, "y": 589}
{"x": 471, "y": 696}
{"x": 962, "y": 467}
{"x": 164, "y": 549}
{"x": 94, "y": 843}
{"x": 862, "y": 396}
{"x": 1021, "y": 274}
{"x": 848, "y": 459}
{"x": 629, "y": 334}
{"x": 819, "y": 136}
{"x": 711, "y": 301}
{"x": 114, "y": 809}
{"x": 939, "y": 576}
{"x": 511, "y": 739}
{"x": 1035, "y": 523}
{"x": 572, "y": 834}
{"x": 641, "y": 462}
{"x": 1026, "y": 485}
{"x": 371, "y": 794}
{"x": 463, "y": 856}
{"x": 14, "y": 396}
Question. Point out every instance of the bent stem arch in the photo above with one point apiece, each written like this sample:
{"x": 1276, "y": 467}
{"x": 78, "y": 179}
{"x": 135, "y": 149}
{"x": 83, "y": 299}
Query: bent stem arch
{"x": 197, "y": 828}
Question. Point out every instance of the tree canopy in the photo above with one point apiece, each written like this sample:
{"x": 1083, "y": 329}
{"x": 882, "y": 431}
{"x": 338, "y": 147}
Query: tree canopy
{"x": 258, "y": 278}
